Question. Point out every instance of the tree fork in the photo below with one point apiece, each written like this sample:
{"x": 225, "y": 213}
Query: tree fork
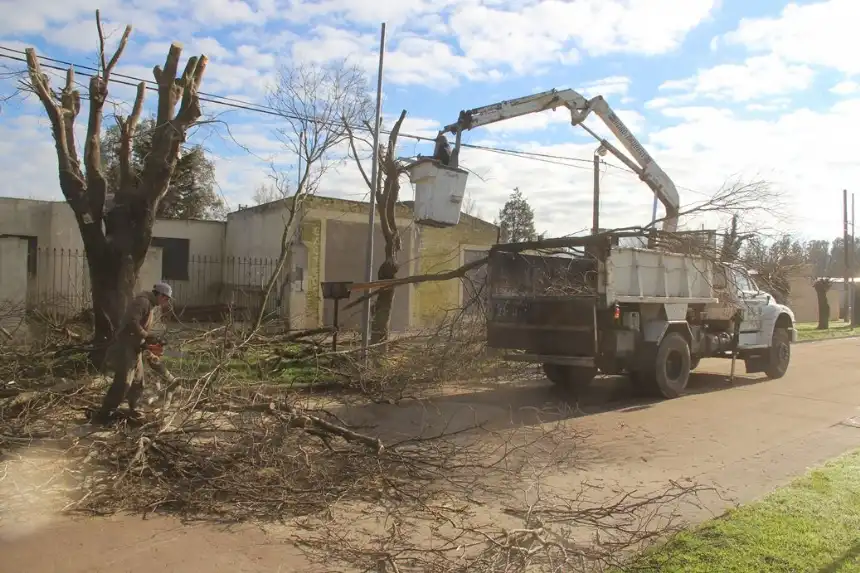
{"x": 116, "y": 238}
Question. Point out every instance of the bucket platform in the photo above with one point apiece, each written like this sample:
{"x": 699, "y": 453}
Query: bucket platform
{"x": 439, "y": 191}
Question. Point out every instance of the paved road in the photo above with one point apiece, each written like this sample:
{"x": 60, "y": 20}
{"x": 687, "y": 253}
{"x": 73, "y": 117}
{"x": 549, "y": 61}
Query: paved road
{"x": 747, "y": 439}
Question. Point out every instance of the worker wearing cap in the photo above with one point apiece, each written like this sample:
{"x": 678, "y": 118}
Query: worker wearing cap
{"x": 125, "y": 354}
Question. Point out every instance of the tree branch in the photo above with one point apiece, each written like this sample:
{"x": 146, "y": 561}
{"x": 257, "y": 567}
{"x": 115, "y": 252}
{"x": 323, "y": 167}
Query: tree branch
{"x": 351, "y": 138}
{"x": 380, "y": 286}
{"x": 67, "y": 166}
{"x": 127, "y": 129}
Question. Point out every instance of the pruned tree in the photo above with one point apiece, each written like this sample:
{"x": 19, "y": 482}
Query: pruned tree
{"x": 822, "y": 286}
{"x": 314, "y": 102}
{"x": 517, "y": 219}
{"x": 116, "y": 233}
{"x": 386, "y": 190}
{"x": 192, "y": 193}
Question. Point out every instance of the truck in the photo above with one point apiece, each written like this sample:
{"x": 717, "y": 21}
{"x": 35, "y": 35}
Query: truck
{"x": 643, "y": 303}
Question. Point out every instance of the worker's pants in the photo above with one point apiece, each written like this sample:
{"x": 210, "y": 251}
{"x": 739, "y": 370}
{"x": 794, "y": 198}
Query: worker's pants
{"x": 128, "y": 380}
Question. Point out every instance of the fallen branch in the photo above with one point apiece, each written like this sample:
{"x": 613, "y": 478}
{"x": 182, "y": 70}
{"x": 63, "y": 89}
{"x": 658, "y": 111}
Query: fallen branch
{"x": 431, "y": 277}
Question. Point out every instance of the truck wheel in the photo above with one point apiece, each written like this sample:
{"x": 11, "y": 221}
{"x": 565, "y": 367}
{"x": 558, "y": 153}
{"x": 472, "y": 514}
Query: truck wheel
{"x": 566, "y": 376}
{"x": 671, "y": 370}
{"x": 779, "y": 354}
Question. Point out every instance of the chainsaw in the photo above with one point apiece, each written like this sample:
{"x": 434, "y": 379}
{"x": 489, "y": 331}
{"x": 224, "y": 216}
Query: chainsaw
{"x": 154, "y": 346}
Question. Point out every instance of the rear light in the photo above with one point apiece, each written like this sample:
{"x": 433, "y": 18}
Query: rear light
{"x": 616, "y": 315}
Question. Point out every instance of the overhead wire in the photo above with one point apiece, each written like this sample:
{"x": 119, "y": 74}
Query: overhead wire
{"x": 128, "y": 80}
{"x": 151, "y": 85}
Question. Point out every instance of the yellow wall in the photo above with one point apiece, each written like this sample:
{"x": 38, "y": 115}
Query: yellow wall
{"x": 441, "y": 250}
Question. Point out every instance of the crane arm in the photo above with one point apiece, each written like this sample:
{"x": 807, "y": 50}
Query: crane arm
{"x": 580, "y": 107}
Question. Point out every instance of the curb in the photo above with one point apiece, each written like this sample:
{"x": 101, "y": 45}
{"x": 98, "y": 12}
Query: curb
{"x": 853, "y": 336}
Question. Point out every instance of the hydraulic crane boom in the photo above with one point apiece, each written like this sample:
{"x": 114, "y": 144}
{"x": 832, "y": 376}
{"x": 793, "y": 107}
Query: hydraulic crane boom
{"x": 644, "y": 165}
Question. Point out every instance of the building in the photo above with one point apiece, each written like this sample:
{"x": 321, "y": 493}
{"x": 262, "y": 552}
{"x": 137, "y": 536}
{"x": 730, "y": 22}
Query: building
{"x": 803, "y": 299}
{"x": 217, "y": 263}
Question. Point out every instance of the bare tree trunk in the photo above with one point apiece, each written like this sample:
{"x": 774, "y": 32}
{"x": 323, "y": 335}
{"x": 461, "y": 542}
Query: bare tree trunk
{"x": 112, "y": 278}
{"x": 821, "y": 289}
{"x": 387, "y": 191}
{"x": 381, "y": 316}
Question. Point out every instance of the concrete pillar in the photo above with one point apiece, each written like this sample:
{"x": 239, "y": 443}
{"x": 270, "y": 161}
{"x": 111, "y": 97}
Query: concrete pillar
{"x": 13, "y": 282}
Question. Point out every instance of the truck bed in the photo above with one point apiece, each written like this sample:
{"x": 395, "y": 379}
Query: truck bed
{"x": 542, "y": 305}
{"x": 554, "y": 306}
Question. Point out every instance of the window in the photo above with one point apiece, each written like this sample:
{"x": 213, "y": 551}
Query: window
{"x": 742, "y": 282}
{"x": 32, "y": 251}
{"x": 174, "y": 257}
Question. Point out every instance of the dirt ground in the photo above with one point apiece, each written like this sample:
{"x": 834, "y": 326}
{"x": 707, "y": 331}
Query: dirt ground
{"x": 745, "y": 439}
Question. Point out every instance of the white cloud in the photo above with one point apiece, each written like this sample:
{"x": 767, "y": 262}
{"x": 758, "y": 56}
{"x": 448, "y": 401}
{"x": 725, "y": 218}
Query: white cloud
{"x": 758, "y": 77}
{"x": 607, "y": 87}
{"x": 848, "y": 87}
{"x": 819, "y": 33}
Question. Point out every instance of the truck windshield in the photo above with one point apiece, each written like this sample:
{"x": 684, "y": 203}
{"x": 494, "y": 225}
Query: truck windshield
{"x": 742, "y": 282}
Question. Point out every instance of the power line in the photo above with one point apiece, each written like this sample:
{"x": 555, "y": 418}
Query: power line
{"x": 225, "y": 101}
{"x": 267, "y": 110}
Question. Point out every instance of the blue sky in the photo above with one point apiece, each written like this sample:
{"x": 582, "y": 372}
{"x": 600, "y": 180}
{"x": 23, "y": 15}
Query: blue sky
{"x": 715, "y": 90}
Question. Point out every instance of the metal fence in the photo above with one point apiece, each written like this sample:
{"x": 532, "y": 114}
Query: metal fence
{"x": 59, "y": 284}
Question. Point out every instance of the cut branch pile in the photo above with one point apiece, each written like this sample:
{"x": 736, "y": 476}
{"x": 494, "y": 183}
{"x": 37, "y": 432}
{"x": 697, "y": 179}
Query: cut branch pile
{"x": 233, "y": 450}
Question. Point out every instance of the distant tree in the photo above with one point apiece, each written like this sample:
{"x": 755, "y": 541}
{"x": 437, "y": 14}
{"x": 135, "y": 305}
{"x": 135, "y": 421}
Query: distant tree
{"x": 517, "y": 219}
{"x": 775, "y": 262}
{"x": 470, "y": 206}
{"x": 191, "y": 194}
{"x": 266, "y": 193}
{"x": 818, "y": 255}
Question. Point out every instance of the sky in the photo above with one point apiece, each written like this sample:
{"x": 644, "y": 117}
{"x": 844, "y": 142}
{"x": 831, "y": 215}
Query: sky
{"x": 717, "y": 91}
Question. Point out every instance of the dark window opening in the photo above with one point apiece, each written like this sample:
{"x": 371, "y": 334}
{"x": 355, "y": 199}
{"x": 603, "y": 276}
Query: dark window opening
{"x": 32, "y": 251}
{"x": 174, "y": 257}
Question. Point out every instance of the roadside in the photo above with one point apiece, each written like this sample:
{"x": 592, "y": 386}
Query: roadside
{"x": 809, "y": 525}
{"x": 808, "y": 331}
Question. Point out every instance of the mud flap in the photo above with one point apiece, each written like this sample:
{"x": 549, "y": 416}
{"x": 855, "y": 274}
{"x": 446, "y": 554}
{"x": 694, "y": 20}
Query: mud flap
{"x": 755, "y": 364}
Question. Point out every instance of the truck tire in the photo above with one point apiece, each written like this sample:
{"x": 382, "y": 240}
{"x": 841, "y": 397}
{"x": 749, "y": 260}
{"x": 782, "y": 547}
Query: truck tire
{"x": 779, "y": 354}
{"x": 671, "y": 370}
{"x": 569, "y": 377}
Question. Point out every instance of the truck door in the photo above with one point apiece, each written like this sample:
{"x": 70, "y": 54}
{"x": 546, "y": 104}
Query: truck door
{"x": 752, "y": 302}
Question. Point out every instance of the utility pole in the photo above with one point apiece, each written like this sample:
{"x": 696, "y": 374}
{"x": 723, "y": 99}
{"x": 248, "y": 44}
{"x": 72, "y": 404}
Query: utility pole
{"x": 595, "y": 216}
{"x": 853, "y": 289}
{"x": 847, "y": 248}
{"x": 371, "y": 218}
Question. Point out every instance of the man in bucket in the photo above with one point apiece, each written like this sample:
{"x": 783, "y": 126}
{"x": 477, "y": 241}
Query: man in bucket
{"x": 127, "y": 352}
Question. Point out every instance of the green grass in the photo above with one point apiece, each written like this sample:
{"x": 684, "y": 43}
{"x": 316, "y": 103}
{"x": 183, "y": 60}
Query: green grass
{"x": 838, "y": 329}
{"x": 812, "y": 525}
{"x": 257, "y": 366}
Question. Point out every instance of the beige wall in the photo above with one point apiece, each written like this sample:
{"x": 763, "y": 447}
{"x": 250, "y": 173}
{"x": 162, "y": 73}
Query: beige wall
{"x": 803, "y": 300}
{"x": 61, "y": 280}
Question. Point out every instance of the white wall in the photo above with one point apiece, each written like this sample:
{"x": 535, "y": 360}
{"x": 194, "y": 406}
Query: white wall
{"x": 61, "y": 278}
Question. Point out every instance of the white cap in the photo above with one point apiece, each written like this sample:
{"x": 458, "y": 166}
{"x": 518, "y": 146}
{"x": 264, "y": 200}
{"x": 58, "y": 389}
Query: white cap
{"x": 163, "y": 288}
